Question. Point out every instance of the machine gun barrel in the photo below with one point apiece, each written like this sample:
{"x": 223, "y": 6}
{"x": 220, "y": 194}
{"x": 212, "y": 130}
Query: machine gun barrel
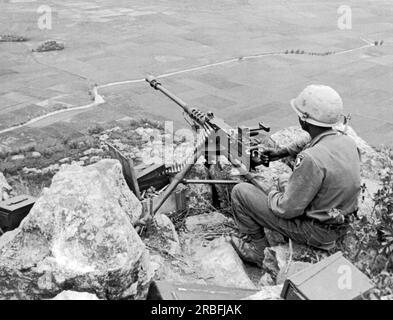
{"x": 158, "y": 86}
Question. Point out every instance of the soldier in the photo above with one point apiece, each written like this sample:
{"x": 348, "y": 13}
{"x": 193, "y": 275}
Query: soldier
{"x": 315, "y": 205}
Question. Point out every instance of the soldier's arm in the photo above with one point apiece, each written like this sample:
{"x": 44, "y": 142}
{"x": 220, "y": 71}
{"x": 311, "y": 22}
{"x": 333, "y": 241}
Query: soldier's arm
{"x": 293, "y": 149}
{"x": 296, "y": 147}
{"x": 300, "y": 190}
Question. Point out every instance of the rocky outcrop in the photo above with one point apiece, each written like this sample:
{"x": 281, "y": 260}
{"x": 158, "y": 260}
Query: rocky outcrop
{"x": 79, "y": 236}
{"x": 5, "y": 188}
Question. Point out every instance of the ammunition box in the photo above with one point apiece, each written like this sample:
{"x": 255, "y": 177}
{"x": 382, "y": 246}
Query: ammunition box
{"x": 164, "y": 290}
{"x": 14, "y": 210}
{"x": 334, "y": 278}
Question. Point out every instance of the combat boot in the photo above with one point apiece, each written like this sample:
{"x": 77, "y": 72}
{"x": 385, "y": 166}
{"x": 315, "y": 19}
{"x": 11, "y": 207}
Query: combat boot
{"x": 250, "y": 250}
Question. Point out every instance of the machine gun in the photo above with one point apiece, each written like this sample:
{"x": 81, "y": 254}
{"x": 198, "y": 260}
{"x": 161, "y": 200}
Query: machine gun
{"x": 214, "y": 137}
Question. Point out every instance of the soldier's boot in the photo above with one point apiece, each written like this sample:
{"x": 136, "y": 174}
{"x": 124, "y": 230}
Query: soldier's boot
{"x": 250, "y": 249}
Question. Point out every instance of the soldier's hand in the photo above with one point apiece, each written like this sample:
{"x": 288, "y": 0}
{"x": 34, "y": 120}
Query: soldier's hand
{"x": 268, "y": 155}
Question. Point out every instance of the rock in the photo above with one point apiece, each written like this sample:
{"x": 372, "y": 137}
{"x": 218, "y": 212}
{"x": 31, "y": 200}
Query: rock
{"x": 199, "y": 196}
{"x": 5, "y": 188}
{"x": 274, "y": 238}
{"x": 51, "y": 169}
{"x": 18, "y": 157}
{"x": 266, "y": 280}
{"x": 267, "y": 293}
{"x": 64, "y": 160}
{"x": 294, "y": 267}
{"x": 205, "y": 221}
{"x": 163, "y": 236}
{"x": 275, "y": 259}
{"x": 74, "y": 295}
{"x": 220, "y": 265}
{"x": 35, "y": 154}
{"x": 288, "y": 135}
{"x": 104, "y": 137}
{"x": 77, "y": 163}
{"x": 95, "y": 159}
{"x": 156, "y": 264}
{"x": 78, "y": 236}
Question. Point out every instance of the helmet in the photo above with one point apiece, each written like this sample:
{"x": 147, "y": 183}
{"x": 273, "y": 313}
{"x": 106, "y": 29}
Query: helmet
{"x": 319, "y": 105}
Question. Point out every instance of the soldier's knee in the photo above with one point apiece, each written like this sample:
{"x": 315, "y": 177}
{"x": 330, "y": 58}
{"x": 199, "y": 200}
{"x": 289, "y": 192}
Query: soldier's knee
{"x": 240, "y": 190}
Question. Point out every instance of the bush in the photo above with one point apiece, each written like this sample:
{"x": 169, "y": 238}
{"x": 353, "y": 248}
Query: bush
{"x": 96, "y": 129}
{"x": 372, "y": 248}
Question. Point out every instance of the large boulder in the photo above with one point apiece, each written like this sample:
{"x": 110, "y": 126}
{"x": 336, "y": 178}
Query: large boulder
{"x": 5, "y": 188}
{"x": 78, "y": 236}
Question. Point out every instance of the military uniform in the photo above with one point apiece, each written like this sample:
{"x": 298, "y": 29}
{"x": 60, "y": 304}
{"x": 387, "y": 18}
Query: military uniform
{"x": 322, "y": 190}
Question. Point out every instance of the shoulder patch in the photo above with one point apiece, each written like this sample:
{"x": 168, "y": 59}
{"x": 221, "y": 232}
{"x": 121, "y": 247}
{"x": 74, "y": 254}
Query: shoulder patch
{"x": 299, "y": 160}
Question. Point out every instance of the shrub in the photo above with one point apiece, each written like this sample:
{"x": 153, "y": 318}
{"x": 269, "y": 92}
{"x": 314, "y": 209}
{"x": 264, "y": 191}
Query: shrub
{"x": 372, "y": 248}
{"x": 96, "y": 129}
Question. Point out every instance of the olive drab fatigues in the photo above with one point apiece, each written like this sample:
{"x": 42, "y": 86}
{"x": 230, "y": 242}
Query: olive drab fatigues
{"x": 322, "y": 190}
